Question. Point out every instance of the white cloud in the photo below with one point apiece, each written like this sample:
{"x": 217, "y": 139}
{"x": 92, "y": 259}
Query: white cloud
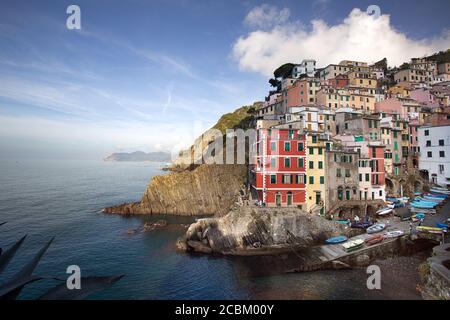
{"x": 266, "y": 16}
{"x": 358, "y": 37}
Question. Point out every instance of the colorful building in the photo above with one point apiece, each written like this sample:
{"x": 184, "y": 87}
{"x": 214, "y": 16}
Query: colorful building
{"x": 278, "y": 172}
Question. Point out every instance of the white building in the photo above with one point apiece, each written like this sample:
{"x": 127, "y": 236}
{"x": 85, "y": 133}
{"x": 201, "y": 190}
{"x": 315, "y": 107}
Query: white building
{"x": 307, "y": 67}
{"x": 434, "y": 146}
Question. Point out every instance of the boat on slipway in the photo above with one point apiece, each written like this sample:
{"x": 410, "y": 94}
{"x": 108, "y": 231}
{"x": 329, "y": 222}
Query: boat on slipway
{"x": 374, "y": 239}
{"x": 353, "y": 245}
{"x": 376, "y": 228}
{"x": 334, "y": 240}
{"x": 394, "y": 234}
{"x": 384, "y": 211}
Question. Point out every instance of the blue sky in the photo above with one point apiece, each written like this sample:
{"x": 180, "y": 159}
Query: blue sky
{"x": 151, "y": 75}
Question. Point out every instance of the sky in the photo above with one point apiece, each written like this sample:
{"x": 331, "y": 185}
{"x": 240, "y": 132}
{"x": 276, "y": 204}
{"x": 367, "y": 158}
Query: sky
{"x": 152, "y": 75}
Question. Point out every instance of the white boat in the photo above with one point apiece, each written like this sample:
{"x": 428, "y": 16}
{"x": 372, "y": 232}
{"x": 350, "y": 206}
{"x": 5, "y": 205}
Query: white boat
{"x": 353, "y": 244}
{"x": 440, "y": 190}
{"x": 376, "y": 228}
{"x": 393, "y": 234}
{"x": 384, "y": 211}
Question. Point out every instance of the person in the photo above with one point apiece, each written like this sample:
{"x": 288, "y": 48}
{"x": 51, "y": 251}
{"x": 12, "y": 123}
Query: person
{"x": 349, "y": 222}
{"x": 356, "y": 219}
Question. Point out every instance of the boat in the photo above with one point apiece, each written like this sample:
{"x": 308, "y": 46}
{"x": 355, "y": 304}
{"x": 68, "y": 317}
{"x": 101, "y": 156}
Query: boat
{"x": 361, "y": 225}
{"x": 384, "y": 211}
{"x": 390, "y": 204}
{"x": 342, "y": 221}
{"x": 393, "y": 234}
{"x": 420, "y": 210}
{"x": 436, "y": 196}
{"x": 442, "y": 225}
{"x": 430, "y": 229}
{"x": 423, "y": 205}
{"x": 338, "y": 239}
{"x": 353, "y": 245}
{"x": 417, "y": 217}
{"x": 374, "y": 239}
{"x": 431, "y": 199}
{"x": 376, "y": 228}
{"x": 440, "y": 190}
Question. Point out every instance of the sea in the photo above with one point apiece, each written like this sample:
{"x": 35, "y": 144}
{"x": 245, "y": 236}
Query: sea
{"x": 59, "y": 198}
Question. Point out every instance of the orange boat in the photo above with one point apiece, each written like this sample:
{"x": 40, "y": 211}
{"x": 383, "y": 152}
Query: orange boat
{"x": 374, "y": 239}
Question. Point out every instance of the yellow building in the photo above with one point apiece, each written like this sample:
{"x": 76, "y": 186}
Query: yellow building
{"x": 362, "y": 79}
{"x": 317, "y": 144}
{"x": 363, "y": 101}
{"x": 401, "y": 90}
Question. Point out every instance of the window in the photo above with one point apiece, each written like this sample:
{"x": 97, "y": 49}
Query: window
{"x": 322, "y": 180}
{"x": 273, "y": 146}
{"x": 441, "y": 142}
{"x": 347, "y": 194}
{"x": 300, "y": 162}
{"x": 441, "y": 169}
{"x": 338, "y": 172}
{"x": 311, "y": 180}
{"x": 340, "y": 193}
{"x": 273, "y": 162}
{"x": 300, "y": 146}
{"x": 347, "y": 173}
{"x": 430, "y": 154}
{"x": 287, "y": 162}
{"x": 320, "y": 165}
{"x": 314, "y": 139}
{"x": 428, "y": 143}
{"x": 320, "y": 150}
{"x": 286, "y": 178}
{"x": 442, "y": 154}
{"x": 287, "y": 146}
{"x": 273, "y": 178}
{"x": 311, "y": 150}
{"x": 311, "y": 164}
{"x": 360, "y": 177}
{"x": 427, "y": 132}
{"x": 367, "y": 177}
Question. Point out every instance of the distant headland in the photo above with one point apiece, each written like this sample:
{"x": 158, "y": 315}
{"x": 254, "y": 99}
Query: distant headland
{"x": 139, "y": 156}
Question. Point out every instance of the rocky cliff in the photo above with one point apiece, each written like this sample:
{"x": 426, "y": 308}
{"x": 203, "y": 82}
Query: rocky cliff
{"x": 206, "y": 190}
{"x": 249, "y": 230}
{"x": 195, "y": 189}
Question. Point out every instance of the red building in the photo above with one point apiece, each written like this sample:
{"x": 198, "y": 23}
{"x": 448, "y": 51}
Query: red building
{"x": 376, "y": 154}
{"x": 340, "y": 81}
{"x": 278, "y": 170}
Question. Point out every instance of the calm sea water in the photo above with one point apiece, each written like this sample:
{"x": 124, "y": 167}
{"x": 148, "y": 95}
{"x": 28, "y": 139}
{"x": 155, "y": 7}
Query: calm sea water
{"x": 63, "y": 198}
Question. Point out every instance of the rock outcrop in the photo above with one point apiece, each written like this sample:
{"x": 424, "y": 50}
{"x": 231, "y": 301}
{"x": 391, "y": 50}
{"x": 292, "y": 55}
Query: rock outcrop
{"x": 249, "y": 229}
{"x": 196, "y": 189}
{"x": 205, "y": 190}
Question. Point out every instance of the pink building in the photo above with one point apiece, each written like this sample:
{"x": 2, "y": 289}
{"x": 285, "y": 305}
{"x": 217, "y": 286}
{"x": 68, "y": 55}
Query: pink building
{"x": 422, "y": 95}
{"x": 297, "y": 94}
{"x": 391, "y": 106}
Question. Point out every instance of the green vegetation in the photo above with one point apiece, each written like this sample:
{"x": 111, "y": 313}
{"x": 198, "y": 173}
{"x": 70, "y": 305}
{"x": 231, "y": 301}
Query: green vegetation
{"x": 284, "y": 70}
{"x": 239, "y": 118}
{"x": 440, "y": 57}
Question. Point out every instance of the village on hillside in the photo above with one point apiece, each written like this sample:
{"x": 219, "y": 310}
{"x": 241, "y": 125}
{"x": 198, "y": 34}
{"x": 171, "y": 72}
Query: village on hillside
{"x": 347, "y": 137}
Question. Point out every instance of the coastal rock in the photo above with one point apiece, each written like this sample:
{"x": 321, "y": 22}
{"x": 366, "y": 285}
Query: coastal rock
{"x": 338, "y": 265}
{"x": 199, "y": 246}
{"x": 193, "y": 188}
{"x": 362, "y": 260}
{"x": 206, "y": 190}
{"x": 253, "y": 228}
